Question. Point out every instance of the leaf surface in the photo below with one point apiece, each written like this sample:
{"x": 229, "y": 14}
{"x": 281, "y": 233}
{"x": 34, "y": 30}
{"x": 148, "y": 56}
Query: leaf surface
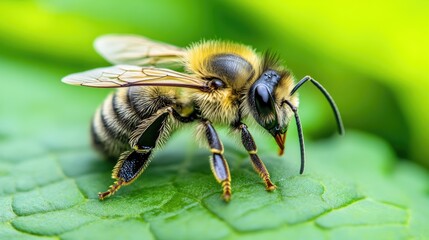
{"x": 353, "y": 187}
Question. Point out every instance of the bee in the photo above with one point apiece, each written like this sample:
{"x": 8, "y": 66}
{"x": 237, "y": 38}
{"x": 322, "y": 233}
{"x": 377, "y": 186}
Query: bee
{"x": 221, "y": 83}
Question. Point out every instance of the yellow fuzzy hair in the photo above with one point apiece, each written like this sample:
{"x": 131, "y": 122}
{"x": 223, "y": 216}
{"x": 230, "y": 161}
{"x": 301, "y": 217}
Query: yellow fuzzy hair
{"x": 199, "y": 52}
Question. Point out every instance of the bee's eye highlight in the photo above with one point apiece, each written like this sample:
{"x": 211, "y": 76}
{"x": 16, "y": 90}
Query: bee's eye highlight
{"x": 264, "y": 101}
{"x": 216, "y": 83}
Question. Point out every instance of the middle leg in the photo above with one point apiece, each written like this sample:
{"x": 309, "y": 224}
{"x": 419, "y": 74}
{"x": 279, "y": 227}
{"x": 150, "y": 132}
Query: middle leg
{"x": 218, "y": 164}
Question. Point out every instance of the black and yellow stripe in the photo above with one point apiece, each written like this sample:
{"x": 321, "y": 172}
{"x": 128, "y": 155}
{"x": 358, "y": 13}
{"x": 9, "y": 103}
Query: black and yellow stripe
{"x": 120, "y": 114}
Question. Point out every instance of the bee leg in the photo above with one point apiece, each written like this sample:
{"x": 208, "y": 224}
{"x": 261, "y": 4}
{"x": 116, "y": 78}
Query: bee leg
{"x": 132, "y": 163}
{"x": 257, "y": 163}
{"x": 218, "y": 164}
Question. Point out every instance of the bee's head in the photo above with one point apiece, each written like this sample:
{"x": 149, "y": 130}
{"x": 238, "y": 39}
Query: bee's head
{"x": 273, "y": 102}
{"x": 267, "y": 98}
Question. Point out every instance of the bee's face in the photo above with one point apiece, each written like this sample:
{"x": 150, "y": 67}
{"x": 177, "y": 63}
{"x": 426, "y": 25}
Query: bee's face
{"x": 266, "y": 105}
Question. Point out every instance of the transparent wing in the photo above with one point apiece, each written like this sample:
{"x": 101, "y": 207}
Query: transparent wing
{"x": 127, "y": 76}
{"x": 137, "y": 50}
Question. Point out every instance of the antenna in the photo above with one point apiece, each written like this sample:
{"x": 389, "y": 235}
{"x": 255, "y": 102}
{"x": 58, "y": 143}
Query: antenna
{"x": 300, "y": 134}
{"x": 328, "y": 97}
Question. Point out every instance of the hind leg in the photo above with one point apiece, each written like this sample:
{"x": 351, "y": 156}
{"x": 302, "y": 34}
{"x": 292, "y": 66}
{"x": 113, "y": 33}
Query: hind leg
{"x": 143, "y": 140}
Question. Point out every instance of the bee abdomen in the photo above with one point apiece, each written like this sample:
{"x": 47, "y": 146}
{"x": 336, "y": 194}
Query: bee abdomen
{"x": 123, "y": 109}
{"x": 112, "y": 125}
{"x": 95, "y": 135}
{"x": 102, "y": 138}
{"x": 120, "y": 115}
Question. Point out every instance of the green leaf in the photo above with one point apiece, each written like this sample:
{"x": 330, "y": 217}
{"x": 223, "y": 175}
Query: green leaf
{"x": 353, "y": 187}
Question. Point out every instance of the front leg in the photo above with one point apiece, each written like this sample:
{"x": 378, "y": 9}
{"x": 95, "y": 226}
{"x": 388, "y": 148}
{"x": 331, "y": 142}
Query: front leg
{"x": 218, "y": 164}
{"x": 257, "y": 163}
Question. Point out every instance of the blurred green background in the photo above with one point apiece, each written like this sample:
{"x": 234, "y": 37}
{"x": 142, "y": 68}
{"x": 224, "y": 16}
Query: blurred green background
{"x": 372, "y": 56}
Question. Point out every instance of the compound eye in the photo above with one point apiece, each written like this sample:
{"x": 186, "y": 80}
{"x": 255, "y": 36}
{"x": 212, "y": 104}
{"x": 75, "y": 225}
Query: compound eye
{"x": 216, "y": 83}
{"x": 264, "y": 101}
